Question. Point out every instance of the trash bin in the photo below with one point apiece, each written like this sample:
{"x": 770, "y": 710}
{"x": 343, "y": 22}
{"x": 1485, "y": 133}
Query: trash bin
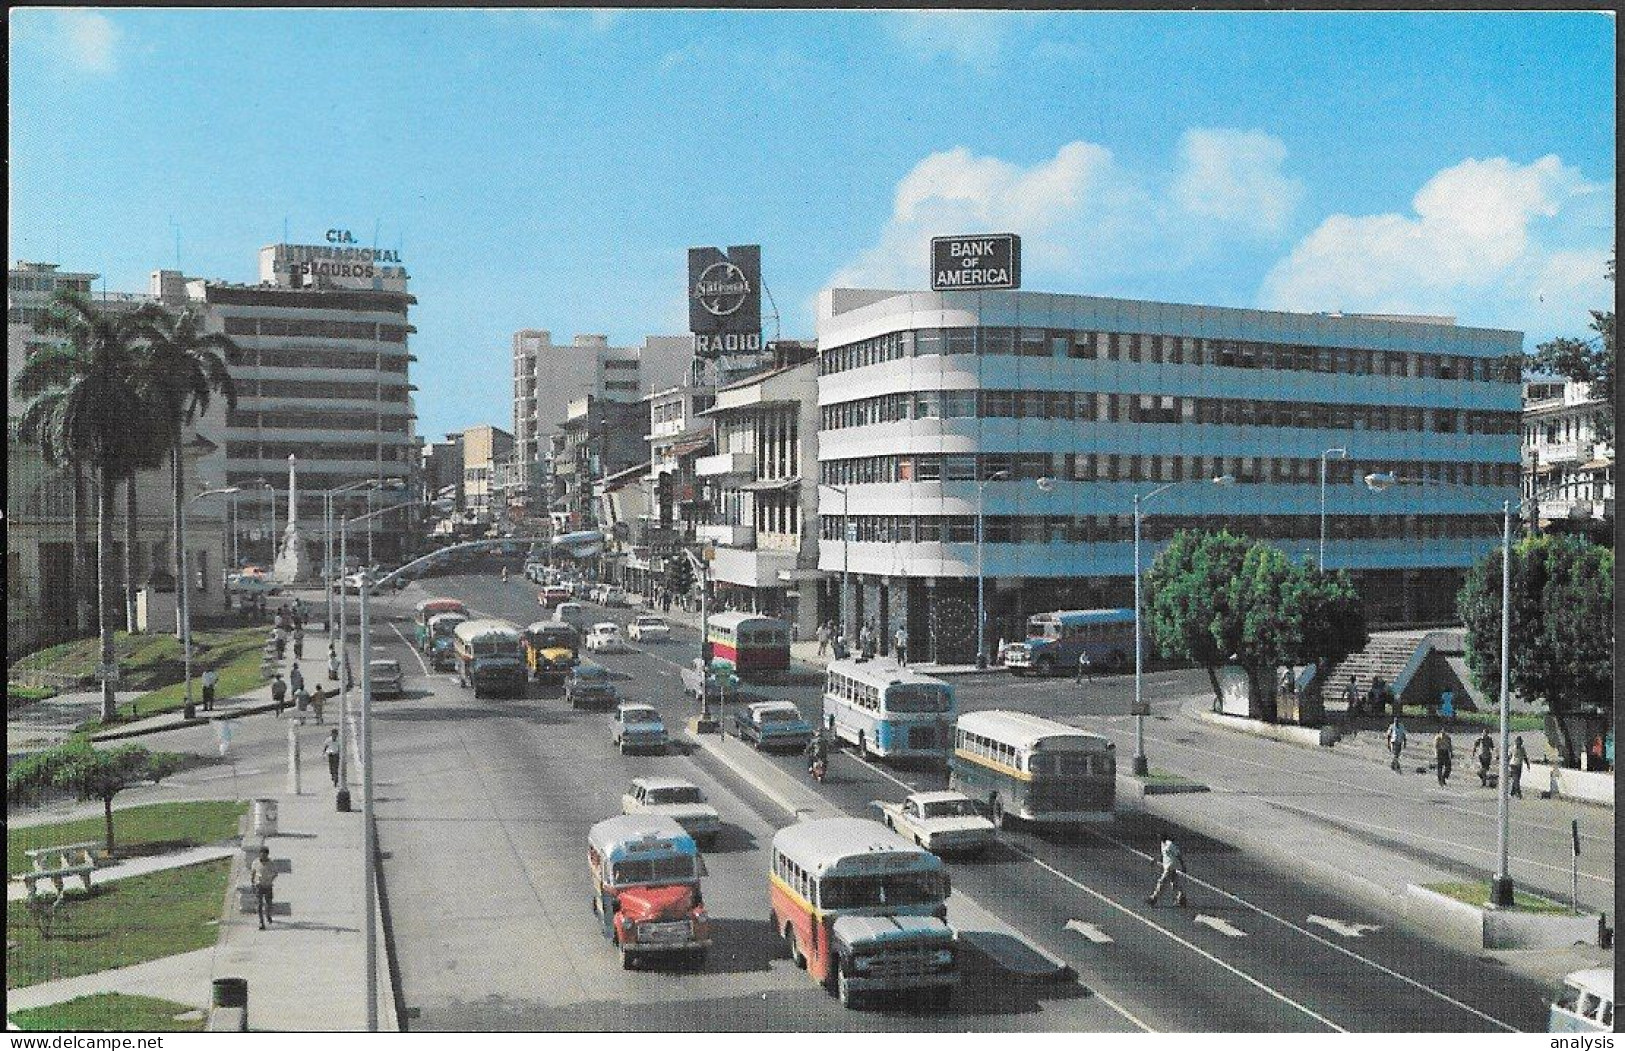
{"x": 231, "y": 992}
{"x": 265, "y": 817}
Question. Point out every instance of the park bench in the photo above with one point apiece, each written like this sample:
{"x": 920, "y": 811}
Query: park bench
{"x": 71, "y": 859}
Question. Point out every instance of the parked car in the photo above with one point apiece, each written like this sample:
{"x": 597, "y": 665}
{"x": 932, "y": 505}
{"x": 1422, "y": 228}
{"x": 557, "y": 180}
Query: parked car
{"x": 677, "y": 799}
{"x": 387, "y": 680}
{"x": 605, "y": 638}
{"x": 589, "y": 686}
{"x": 648, "y": 628}
{"x": 772, "y": 724}
{"x": 637, "y": 727}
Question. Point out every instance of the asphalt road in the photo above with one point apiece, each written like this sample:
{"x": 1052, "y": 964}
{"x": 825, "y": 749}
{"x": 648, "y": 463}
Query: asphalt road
{"x": 484, "y": 809}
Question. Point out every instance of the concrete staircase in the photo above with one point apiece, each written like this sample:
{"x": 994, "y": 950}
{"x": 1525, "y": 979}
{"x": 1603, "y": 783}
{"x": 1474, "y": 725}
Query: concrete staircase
{"x": 1385, "y": 657}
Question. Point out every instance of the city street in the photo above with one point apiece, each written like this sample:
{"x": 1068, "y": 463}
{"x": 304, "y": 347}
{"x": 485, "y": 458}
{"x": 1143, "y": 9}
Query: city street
{"x": 484, "y": 809}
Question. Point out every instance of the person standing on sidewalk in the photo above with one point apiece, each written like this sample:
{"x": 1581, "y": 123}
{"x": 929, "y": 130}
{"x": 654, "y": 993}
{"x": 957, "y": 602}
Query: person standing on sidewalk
{"x": 823, "y": 638}
{"x": 211, "y": 678}
{"x": 330, "y": 748}
{"x": 900, "y": 645}
{"x": 1520, "y": 759}
{"x": 333, "y": 661}
{"x": 298, "y": 642}
{"x": 1396, "y": 742}
{"x": 263, "y": 875}
{"x": 1173, "y": 867}
{"x": 318, "y": 697}
{"x": 296, "y": 678}
{"x": 1351, "y": 701}
{"x": 279, "y": 693}
{"x": 1086, "y": 668}
{"x": 1443, "y": 755}
{"x": 280, "y": 637}
{"x": 1484, "y": 752}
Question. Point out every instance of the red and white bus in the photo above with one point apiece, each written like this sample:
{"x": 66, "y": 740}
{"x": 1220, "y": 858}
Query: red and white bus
{"x": 862, "y": 909}
{"x": 753, "y": 644}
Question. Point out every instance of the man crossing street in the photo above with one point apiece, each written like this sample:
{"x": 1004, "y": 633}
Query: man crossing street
{"x": 1484, "y": 752}
{"x": 1173, "y": 867}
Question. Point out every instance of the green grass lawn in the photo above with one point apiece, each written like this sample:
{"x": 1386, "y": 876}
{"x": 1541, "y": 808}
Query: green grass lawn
{"x": 1479, "y": 894}
{"x": 137, "y": 830}
{"x": 109, "y": 1013}
{"x": 239, "y": 674}
{"x": 154, "y": 662}
{"x": 18, "y": 695}
{"x": 1520, "y": 722}
{"x": 122, "y": 923}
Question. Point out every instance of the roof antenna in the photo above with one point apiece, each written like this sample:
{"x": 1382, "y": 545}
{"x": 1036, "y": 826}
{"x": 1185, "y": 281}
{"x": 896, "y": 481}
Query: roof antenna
{"x": 284, "y": 229}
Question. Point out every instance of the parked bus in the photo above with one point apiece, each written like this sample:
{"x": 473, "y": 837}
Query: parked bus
{"x": 646, "y": 888}
{"x": 1056, "y": 640}
{"x": 887, "y": 710}
{"x": 488, "y": 658}
{"x": 862, "y": 909}
{"x": 754, "y": 644}
{"x": 1024, "y": 766}
{"x": 424, "y": 611}
{"x": 442, "y": 635}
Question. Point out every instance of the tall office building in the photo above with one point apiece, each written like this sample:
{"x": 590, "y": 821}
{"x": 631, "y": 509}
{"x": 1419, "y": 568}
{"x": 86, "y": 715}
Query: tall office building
{"x": 940, "y": 408}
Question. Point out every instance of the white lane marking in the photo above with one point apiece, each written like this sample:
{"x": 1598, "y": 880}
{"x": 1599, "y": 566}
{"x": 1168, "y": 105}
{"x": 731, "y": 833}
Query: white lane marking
{"x": 415, "y": 652}
{"x": 1351, "y": 954}
{"x": 1221, "y": 926}
{"x": 887, "y": 775}
{"x": 1346, "y": 928}
{"x": 1197, "y": 949}
{"x": 1090, "y": 931}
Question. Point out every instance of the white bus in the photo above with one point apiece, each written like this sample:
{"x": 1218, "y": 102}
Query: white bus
{"x": 1024, "y": 766}
{"x": 887, "y": 710}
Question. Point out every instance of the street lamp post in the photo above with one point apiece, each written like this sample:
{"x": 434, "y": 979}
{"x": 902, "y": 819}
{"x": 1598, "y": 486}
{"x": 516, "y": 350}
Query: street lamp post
{"x": 1142, "y": 765}
{"x": 981, "y": 607}
{"x": 1341, "y": 454}
{"x": 184, "y": 590}
{"x": 1501, "y": 884}
{"x": 270, "y": 514}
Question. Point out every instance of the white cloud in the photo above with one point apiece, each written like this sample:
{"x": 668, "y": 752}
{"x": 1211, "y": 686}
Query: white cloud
{"x": 1082, "y": 216}
{"x": 974, "y": 38}
{"x": 1492, "y": 242}
{"x": 88, "y": 40}
{"x": 1235, "y": 176}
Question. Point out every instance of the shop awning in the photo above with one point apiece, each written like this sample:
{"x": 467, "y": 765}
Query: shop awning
{"x": 689, "y": 448}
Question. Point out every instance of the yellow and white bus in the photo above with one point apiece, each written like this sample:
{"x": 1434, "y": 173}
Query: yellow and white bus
{"x": 1032, "y": 768}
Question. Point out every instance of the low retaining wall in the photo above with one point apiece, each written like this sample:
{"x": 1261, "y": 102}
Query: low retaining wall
{"x": 1580, "y": 785}
{"x": 1476, "y": 928}
{"x": 1307, "y": 736}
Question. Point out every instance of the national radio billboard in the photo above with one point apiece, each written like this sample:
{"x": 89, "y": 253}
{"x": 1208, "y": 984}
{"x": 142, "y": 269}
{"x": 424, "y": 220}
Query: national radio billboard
{"x": 725, "y": 299}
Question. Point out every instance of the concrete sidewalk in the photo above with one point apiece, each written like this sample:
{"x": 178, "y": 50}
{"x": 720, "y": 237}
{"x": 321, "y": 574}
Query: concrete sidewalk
{"x": 15, "y": 891}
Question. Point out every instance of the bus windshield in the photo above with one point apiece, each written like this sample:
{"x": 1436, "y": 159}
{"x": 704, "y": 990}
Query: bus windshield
{"x": 916, "y": 698}
{"x": 1040, "y": 628}
{"x": 654, "y": 870}
{"x": 903, "y": 888}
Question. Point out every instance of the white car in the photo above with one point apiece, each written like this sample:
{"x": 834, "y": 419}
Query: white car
{"x": 941, "y": 822}
{"x": 647, "y": 628}
{"x": 605, "y": 638}
{"x": 677, "y": 799}
{"x": 614, "y": 597}
{"x": 637, "y": 727}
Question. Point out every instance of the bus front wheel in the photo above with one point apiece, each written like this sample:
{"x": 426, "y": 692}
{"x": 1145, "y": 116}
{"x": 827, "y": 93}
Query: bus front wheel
{"x": 1046, "y": 666}
{"x": 796, "y": 955}
{"x": 844, "y": 990}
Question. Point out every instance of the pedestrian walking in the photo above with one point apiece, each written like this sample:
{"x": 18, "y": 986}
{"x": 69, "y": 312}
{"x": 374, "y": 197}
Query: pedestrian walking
{"x": 282, "y": 617}
{"x": 866, "y": 641}
{"x": 1351, "y": 700}
{"x": 1484, "y": 752}
{"x": 1086, "y": 668}
{"x": 298, "y": 612}
{"x": 900, "y": 645}
{"x": 1173, "y": 867}
{"x": 279, "y": 693}
{"x": 296, "y": 678}
{"x": 840, "y": 646}
{"x": 1443, "y": 756}
{"x": 263, "y": 875}
{"x": 211, "y": 679}
{"x": 1520, "y": 759}
{"x": 298, "y": 642}
{"x": 318, "y": 697}
{"x": 1396, "y": 741}
{"x": 823, "y": 635}
{"x": 280, "y": 637}
{"x": 330, "y": 748}
{"x": 333, "y": 661}
{"x": 1447, "y": 706}
{"x": 301, "y": 699}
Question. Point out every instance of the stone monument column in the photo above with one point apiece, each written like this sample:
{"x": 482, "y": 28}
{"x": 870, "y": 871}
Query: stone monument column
{"x": 292, "y": 566}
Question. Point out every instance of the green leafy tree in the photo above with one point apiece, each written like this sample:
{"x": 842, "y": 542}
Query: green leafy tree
{"x": 1586, "y": 361}
{"x": 89, "y": 774}
{"x": 78, "y": 396}
{"x": 1187, "y": 604}
{"x": 1561, "y": 625}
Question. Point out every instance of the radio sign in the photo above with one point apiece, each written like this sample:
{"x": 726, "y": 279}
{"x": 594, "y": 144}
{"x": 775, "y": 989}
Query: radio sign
{"x": 983, "y": 261}
{"x": 725, "y": 300}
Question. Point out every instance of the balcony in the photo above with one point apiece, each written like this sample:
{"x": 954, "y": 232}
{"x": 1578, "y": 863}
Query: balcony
{"x": 1577, "y": 510}
{"x": 724, "y": 464}
{"x": 727, "y": 535}
{"x": 1564, "y": 452}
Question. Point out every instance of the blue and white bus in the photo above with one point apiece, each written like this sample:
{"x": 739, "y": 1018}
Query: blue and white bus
{"x": 1055, "y": 641}
{"x": 886, "y": 710}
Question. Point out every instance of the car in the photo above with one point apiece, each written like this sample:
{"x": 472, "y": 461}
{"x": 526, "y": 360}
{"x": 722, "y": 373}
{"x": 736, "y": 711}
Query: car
{"x": 648, "y": 628}
{"x": 637, "y": 727}
{"x": 573, "y": 614}
{"x": 387, "y": 680}
{"x": 590, "y": 686}
{"x": 941, "y": 822}
{"x": 552, "y": 595}
{"x": 613, "y": 596}
{"x": 677, "y": 799}
{"x": 605, "y": 637}
{"x": 772, "y": 724}
{"x": 252, "y": 584}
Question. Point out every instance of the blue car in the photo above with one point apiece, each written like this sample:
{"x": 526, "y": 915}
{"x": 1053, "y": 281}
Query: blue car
{"x": 772, "y": 724}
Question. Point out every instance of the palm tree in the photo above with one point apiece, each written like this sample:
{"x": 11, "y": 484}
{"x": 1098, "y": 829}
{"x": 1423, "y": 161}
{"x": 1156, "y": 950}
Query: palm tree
{"x": 151, "y": 458}
{"x": 82, "y": 407}
{"x": 179, "y": 370}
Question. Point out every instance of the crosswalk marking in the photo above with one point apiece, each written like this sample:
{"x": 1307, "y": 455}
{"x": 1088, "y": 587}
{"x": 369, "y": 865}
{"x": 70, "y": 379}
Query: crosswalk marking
{"x": 1090, "y": 931}
{"x": 1221, "y": 926}
{"x": 1346, "y": 928}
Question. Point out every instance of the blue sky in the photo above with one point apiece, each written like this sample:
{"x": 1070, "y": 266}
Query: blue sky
{"x": 549, "y": 169}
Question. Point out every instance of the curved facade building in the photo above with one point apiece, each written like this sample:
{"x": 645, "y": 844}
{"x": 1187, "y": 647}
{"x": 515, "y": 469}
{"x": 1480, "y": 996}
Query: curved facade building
{"x": 928, "y": 399}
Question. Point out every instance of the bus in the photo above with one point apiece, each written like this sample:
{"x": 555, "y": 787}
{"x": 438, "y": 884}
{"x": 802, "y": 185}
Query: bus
{"x": 426, "y": 611}
{"x": 646, "y": 873}
{"x": 1056, "y": 640}
{"x": 887, "y": 710}
{"x": 1024, "y": 766}
{"x": 862, "y": 909}
{"x": 754, "y": 644}
{"x": 488, "y": 659}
